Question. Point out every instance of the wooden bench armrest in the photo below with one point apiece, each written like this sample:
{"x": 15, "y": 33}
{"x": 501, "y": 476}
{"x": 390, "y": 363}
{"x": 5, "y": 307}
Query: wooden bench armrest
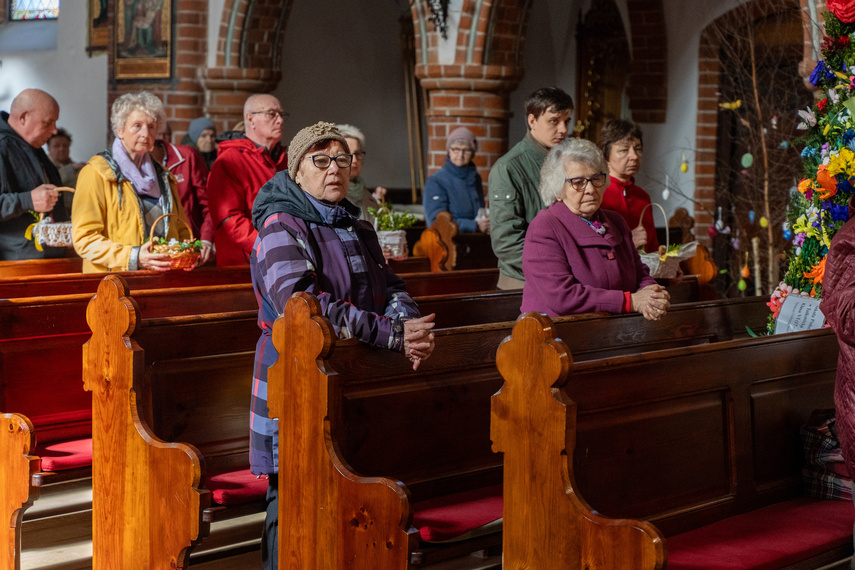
{"x": 546, "y": 521}
{"x": 326, "y": 511}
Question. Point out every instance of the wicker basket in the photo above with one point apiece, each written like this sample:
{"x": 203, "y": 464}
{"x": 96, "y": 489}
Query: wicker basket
{"x": 50, "y": 233}
{"x": 180, "y": 258}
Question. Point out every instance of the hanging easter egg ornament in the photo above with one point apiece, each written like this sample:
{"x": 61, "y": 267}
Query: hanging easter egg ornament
{"x": 745, "y": 272}
{"x": 763, "y": 222}
{"x": 734, "y": 243}
{"x": 712, "y": 232}
{"x": 666, "y": 194}
{"x": 788, "y": 233}
{"x": 742, "y": 285}
{"x": 719, "y": 225}
{"x": 784, "y": 145}
{"x": 684, "y": 166}
{"x": 751, "y": 216}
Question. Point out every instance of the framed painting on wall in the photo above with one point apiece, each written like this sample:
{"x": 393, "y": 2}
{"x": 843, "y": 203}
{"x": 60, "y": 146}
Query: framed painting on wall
{"x": 143, "y": 39}
{"x": 97, "y": 26}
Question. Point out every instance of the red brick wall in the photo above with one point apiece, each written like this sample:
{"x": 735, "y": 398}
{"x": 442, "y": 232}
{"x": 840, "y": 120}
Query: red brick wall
{"x": 183, "y": 96}
{"x": 4, "y": 10}
{"x": 648, "y": 84}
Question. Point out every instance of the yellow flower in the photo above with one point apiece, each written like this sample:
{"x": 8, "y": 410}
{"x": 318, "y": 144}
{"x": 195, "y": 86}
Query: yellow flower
{"x": 826, "y": 129}
{"x": 841, "y": 162}
{"x": 802, "y": 226}
{"x": 805, "y": 185}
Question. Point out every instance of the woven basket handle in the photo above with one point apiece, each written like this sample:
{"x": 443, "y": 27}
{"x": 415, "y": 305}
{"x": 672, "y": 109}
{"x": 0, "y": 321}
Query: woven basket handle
{"x": 664, "y": 215}
{"x": 58, "y": 189}
{"x": 154, "y": 225}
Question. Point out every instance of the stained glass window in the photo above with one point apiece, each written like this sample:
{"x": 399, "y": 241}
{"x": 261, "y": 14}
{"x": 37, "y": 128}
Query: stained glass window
{"x": 35, "y": 9}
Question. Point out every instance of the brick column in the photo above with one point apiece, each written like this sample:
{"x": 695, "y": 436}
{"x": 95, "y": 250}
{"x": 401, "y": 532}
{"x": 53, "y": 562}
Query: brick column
{"x": 227, "y": 88}
{"x": 648, "y": 84}
{"x": 471, "y": 96}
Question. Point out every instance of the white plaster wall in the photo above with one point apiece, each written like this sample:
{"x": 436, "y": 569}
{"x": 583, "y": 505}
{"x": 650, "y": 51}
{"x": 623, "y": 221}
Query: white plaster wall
{"x": 343, "y": 62}
{"x": 215, "y": 18}
{"x": 665, "y": 143}
{"x": 78, "y": 82}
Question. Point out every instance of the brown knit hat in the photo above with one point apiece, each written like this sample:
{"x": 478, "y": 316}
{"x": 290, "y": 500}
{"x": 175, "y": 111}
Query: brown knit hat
{"x": 307, "y": 137}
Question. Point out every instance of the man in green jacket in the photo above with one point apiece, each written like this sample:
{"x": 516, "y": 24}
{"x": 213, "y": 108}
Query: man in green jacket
{"x": 515, "y": 178}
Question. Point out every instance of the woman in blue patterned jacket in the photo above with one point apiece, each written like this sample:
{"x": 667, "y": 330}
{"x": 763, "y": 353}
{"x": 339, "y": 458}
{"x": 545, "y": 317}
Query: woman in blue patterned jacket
{"x": 310, "y": 239}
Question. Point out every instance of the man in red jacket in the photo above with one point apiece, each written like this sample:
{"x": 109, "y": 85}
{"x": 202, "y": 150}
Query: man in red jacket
{"x": 245, "y": 161}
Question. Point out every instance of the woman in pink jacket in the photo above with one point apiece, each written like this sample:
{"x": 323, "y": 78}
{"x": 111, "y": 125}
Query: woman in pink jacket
{"x": 578, "y": 258}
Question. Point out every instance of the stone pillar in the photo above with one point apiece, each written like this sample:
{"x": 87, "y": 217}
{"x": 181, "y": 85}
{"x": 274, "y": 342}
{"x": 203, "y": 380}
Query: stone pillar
{"x": 471, "y": 96}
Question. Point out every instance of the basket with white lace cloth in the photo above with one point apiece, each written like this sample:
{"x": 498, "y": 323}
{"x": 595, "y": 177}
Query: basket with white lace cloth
{"x": 50, "y": 233}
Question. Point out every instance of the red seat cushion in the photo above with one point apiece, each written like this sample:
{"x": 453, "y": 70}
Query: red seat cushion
{"x": 771, "y": 537}
{"x": 57, "y": 456}
{"x": 445, "y": 518}
{"x": 236, "y": 487}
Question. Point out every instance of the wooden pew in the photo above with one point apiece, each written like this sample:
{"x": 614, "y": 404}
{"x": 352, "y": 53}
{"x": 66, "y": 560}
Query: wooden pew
{"x": 147, "y": 501}
{"x": 18, "y": 493}
{"x": 435, "y": 422}
{"x": 546, "y": 522}
{"x": 70, "y": 284}
{"x": 449, "y": 249}
{"x": 410, "y": 265}
{"x": 684, "y": 437}
{"x": 418, "y": 283}
{"x": 41, "y": 266}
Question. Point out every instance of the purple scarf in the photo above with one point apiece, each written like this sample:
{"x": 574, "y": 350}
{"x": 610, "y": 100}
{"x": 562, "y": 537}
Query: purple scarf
{"x": 145, "y": 181}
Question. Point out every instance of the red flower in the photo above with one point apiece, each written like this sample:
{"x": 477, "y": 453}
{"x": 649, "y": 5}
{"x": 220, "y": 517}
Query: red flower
{"x": 822, "y": 105}
{"x": 843, "y": 9}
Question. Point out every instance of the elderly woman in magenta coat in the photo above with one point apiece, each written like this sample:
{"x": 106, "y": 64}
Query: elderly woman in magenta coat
{"x": 578, "y": 258}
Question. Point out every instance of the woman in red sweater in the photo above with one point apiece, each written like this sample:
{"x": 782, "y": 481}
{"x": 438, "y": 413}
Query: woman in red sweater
{"x": 621, "y": 143}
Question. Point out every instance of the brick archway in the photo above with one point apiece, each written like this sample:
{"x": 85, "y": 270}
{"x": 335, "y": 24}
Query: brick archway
{"x": 709, "y": 71}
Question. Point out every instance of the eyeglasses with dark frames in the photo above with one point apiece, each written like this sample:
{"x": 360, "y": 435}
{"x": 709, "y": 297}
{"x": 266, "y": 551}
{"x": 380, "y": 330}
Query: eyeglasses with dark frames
{"x": 322, "y": 161}
{"x": 271, "y": 114}
{"x": 580, "y": 182}
{"x": 359, "y": 155}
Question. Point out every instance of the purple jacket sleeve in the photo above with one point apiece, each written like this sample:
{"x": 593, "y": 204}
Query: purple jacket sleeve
{"x": 285, "y": 266}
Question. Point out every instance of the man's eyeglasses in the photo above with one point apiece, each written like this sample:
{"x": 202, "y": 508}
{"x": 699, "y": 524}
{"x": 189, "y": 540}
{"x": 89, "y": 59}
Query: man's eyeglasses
{"x": 580, "y": 182}
{"x": 323, "y": 161}
{"x": 271, "y": 114}
{"x": 359, "y": 155}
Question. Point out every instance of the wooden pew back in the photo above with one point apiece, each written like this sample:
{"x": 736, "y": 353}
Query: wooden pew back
{"x": 684, "y": 436}
{"x": 147, "y": 501}
{"x": 69, "y": 284}
{"x": 546, "y": 522}
{"x": 17, "y": 493}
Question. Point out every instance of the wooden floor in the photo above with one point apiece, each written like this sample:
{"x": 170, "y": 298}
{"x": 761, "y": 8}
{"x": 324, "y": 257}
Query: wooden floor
{"x": 54, "y": 540}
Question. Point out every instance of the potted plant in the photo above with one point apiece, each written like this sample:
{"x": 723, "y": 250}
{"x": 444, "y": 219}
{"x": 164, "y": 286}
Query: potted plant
{"x": 390, "y": 226}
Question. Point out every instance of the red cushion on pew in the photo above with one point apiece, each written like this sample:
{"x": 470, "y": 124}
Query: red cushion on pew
{"x": 771, "y": 537}
{"x": 57, "y": 456}
{"x": 236, "y": 487}
{"x": 445, "y": 518}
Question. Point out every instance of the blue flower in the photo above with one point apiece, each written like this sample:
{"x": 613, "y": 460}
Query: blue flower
{"x": 808, "y": 152}
{"x": 820, "y": 72}
{"x": 839, "y": 212}
{"x": 845, "y": 186}
{"x": 848, "y": 136}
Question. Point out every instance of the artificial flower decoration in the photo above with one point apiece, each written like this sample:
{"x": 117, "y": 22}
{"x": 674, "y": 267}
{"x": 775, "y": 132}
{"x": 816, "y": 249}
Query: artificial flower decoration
{"x": 808, "y": 120}
{"x": 819, "y": 207}
{"x": 844, "y": 10}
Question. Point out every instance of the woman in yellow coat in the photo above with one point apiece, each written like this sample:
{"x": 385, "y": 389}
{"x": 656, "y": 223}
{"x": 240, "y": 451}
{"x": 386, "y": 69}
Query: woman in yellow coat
{"x": 122, "y": 191}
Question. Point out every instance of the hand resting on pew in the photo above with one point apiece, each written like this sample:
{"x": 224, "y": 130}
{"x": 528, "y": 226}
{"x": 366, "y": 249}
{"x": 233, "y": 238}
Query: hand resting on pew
{"x": 653, "y": 302}
{"x": 418, "y": 340}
